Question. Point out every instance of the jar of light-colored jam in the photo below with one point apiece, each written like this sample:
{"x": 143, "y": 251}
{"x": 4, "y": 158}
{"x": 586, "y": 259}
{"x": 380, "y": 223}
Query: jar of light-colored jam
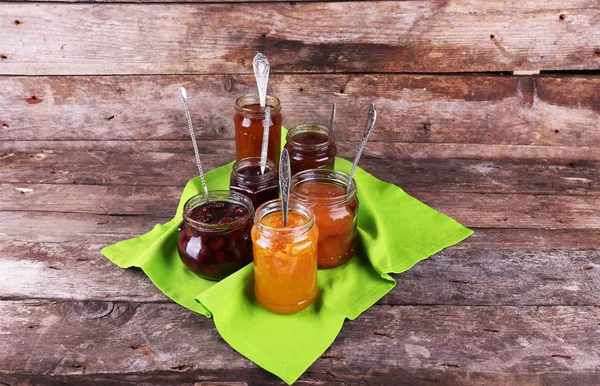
{"x": 285, "y": 258}
{"x": 248, "y": 121}
{"x": 247, "y": 179}
{"x": 310, "y": 147}
{"x": 214, "y": 237}
{"x": 335, "y": 212}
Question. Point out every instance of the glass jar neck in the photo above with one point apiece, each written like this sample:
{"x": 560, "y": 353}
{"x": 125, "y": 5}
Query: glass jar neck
{"x": 246, "y": 173}
{"x": 295, "y": 139}
{"x": 217, "y": 196}
{"x": 324, "y": 176}
{"x": 248, "y": 106}
{"x": 274, "y": 206}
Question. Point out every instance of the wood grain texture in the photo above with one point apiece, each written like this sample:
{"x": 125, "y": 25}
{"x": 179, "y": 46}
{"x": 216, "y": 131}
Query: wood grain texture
{"x": 385, "y": 36}
{"x": 71, "y": 271}
{"x": 383, "y": 344}
{"x": 454, "y": 109}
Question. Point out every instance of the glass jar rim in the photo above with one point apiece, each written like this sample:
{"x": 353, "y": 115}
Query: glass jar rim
{"x": 252, "y": 99}
{"x": 259, "y": 179}
{"x": 275, "y": 206}
{"x": 309, "y": 128}
{"x": 328, "y": 176}
{"x": 218, "y": 196}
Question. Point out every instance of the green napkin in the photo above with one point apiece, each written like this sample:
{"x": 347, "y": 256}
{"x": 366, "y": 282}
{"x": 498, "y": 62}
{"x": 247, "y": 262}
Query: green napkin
{"x": 396, "y": 231}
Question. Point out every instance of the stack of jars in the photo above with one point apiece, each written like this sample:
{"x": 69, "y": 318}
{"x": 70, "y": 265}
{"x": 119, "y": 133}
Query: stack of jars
{"x": 223, "y": 232}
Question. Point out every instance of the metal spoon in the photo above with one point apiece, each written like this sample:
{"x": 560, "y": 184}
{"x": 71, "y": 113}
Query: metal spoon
{"x": 189, "y": 119}
{"x": 332, "y": 120}
{"x": 284, "y": 183}
{"x": 371, "y": 117}
{"x": 261, "y": 67}
{"x": 265, "y": 140}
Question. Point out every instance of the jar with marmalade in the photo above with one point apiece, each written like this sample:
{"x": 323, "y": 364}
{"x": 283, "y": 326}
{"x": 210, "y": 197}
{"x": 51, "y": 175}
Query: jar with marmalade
{"x": 285, "y": 258}
{"x": 335, "y": 212}
{"x": 214, "y": 237}
{"x": 247, "y": 179}
{"x": 248, "y": 121}
{"x": 310, "y": 147}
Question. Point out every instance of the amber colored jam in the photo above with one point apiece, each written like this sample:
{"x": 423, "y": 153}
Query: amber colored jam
{"x": 310, "y": 147}
{"x": 285, "y": 262}
{"x": 248, "y": 121}
{"x": 247, "y": 179}
{"x": 215, "y": 254}
{"x": 335, "y": 215}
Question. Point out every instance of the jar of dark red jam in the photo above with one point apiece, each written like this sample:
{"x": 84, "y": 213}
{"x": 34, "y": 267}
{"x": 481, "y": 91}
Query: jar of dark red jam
{"x": 214, "y": 237}
{"x": 310, "y": 147}
{"x": 248, "y": 121}
{"x": 247, "y": 179}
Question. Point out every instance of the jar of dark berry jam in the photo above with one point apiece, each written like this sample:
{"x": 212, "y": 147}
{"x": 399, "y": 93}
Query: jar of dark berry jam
{"x": 214, "y": 237}
{"x": 310, "y": 147}
{"x": 247, "y": 180}
{"x": 248, "y": 121}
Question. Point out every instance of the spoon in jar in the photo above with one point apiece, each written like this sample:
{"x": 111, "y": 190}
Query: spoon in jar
{"x": 265, "y": 140}
{"x": 183, "y": 94}
{"x": 262, "y": 67}
{"x": 284, "y": 183}
{"x": 332, "y": 120}
{"x": 371, "y": 117}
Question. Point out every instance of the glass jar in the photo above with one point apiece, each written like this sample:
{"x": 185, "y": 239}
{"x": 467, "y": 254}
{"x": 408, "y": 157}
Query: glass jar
{"x": 214, "y": 237}
{"x": 335, "y": 212}
{"x": 285, "y": 259}
{"x": 247, "y": 180}
{"x": 248, "y": 121}
{"x": 310, "y": 147}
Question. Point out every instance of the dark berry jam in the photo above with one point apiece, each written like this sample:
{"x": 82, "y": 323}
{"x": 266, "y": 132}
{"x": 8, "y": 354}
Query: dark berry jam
{"x": 310, "y": 147}
{"x": 247, "y": 179}
{"x": 214, "y": 239}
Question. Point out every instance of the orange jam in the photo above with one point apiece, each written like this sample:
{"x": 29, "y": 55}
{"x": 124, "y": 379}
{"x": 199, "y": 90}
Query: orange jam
{"x": 285, "y": 260}
{"x": 335, "y": 215}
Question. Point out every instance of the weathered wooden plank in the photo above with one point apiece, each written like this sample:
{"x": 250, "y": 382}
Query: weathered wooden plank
{"x": 384, "y": 344}
{"x": 173, "y": 169}
{"x": 385, "y": 36}
{"x": 465, "y": 109}
{"x": 71, "y": 271}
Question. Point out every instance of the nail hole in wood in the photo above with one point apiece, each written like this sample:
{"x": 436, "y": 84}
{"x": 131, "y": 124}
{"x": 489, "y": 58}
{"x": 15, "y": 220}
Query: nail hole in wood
{"x": 562, "y": 16}
{"x": 17, "y": 22}
{"x": 492, "y": 36}
{"x": 301, "y": 89}
{"x": 597, "y": 52}
{"x": 264, "y": 35}
{"x": 556, "y": 131}
{"x": 341, "y": 91}
{"x": 571, "y": 165}
{"x": 3, "y": 57}
{"x": 4, "y": 126}
{"x": 33, "y": 100}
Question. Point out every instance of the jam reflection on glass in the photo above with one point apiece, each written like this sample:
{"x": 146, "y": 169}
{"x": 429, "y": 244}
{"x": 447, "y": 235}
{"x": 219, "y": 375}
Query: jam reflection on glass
{"x": 214, "y": 239}
{"x": 335, "y": 213}
{"x": 310, "y": 147}
{"x": 248, "y": 121}
{"x": 247, "y": 179}
{"x": 285, "y": 258}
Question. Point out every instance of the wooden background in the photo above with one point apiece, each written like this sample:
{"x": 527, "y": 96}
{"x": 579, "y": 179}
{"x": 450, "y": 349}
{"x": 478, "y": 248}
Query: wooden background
{"x": 94, "y": 149}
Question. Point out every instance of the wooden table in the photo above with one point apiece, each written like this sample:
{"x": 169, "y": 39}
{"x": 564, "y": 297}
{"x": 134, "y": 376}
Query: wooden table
{"x": 94, "y": 149}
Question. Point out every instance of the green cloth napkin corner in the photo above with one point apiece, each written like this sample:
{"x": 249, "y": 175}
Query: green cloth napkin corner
{"x": 396, "y": 231}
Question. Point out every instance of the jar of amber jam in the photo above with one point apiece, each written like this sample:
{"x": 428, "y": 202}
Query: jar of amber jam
{"x": 310, "y": 147}
{"x": 285, "y": 258}
{"x": 247, "y": 180}
{"x": 214, "y": 237}
{"x": 248, "y": 121}
{"x": 335, "y": 212}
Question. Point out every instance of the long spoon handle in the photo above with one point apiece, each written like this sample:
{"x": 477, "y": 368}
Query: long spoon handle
{"x": 332, "y": 120}
{"x": 191, "y": 127}
{"x": 265, "y": 141}
{"x": 262, "y": 67}
{"x": 371, "y": 117}
{"x": 284, "y": 183}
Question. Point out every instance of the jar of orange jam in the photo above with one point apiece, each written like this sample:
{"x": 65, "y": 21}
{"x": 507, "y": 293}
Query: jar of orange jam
{"x": 335, "y": 212}
{"x": 248, "y": 121}
{"x": 285, "y": 258}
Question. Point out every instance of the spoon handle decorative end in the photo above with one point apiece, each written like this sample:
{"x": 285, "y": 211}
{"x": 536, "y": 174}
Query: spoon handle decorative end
{"x": 284, "y": 183}
{"x": 261, "y": 67}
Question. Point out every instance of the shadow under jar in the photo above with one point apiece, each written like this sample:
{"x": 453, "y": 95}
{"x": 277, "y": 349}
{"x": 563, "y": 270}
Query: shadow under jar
{"x": 214, "y": 237}
{"x": 310, "y": 147}
{"x": 335, "y": 212}
{"x": 246, "y": 179}
{"x": 248, "y": 121}
{"x": 285, "y": 258}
